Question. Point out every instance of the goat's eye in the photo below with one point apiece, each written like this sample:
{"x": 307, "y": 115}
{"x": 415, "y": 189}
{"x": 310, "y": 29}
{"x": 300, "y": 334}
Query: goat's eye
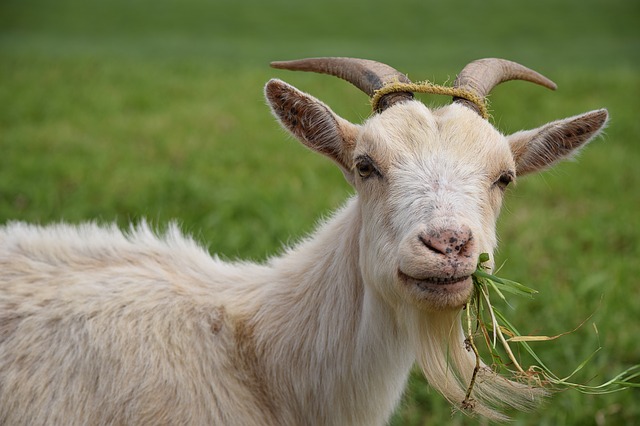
{"x": 504, "y": 180}
{"x": 365, "y": 167}
{"x": 365, "y": 170}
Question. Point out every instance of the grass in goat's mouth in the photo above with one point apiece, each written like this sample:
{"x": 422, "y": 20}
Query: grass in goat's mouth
{"x": 496, "y": 331}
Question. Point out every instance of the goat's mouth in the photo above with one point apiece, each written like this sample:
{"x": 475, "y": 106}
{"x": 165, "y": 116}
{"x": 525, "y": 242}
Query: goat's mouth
{"x": 450, "y": 288}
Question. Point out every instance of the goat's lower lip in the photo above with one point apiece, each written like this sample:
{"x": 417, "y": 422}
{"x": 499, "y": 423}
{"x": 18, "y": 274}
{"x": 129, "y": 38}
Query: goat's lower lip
{"x": 451, "y": 285}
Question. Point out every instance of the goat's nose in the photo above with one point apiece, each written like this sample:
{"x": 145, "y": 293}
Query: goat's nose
{"x": 455, "y": 243}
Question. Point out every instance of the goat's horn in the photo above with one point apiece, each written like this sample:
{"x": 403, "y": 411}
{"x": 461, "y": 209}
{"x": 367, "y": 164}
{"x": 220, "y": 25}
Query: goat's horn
{"x": 366, "y": 75}
{"x": 481, "y": 76}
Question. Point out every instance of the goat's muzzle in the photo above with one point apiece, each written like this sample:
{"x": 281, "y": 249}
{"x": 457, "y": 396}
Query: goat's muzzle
{"x": 435, "y": 265}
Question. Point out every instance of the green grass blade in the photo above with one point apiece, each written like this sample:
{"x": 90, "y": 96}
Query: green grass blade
{"x": 506, "y": 285}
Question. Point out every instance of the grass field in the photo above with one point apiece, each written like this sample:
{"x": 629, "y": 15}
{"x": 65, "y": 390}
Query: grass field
{"x": 119, "y": 110}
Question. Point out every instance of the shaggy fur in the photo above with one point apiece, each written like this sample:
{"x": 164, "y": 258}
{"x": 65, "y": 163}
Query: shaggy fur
{"x": 103, "y": 327}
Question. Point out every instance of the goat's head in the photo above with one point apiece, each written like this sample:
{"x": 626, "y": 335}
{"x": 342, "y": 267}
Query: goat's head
{"x": 430, "y": 182}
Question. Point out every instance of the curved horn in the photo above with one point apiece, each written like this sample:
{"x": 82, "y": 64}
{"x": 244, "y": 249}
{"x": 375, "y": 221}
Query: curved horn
{"x": 481, "y": 76}
{"x": 366, "y": 75}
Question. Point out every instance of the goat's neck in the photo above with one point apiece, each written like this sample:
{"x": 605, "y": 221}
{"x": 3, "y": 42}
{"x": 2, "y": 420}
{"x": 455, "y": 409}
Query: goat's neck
{"x": 328, "y": 339}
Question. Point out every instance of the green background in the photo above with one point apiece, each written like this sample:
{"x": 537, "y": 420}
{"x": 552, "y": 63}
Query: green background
{"x": 121, "y": 110}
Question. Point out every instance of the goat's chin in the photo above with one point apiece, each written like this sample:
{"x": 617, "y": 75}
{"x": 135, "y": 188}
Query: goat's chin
{"x": 437, "y": 294}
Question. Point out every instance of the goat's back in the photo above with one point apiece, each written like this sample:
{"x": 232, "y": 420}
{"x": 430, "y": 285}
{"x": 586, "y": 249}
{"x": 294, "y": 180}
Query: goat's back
{"x": 98, "y": 327}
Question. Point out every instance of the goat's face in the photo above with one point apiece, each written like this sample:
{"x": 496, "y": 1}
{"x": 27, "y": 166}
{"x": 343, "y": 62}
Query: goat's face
{"x": 430, "y": 185}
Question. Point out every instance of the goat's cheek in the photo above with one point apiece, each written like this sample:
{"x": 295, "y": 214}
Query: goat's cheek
{"x": 378, "y": 262}
{"x": 495, "y": 202}
{"x": 489, "y": 217}
{"x": 376, "y": 274}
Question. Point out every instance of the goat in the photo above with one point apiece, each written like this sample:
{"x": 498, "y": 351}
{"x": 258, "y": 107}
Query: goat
{"x": 103, "y": 327}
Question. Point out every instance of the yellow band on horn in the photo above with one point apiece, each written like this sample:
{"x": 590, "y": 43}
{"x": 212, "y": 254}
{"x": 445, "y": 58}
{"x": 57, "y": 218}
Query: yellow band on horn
{"x": 433, "y": 89}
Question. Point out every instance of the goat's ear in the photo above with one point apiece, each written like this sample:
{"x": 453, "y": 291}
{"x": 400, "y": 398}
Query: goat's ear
{"x": 537, "y": 149}
{"x": 313, "y": 123}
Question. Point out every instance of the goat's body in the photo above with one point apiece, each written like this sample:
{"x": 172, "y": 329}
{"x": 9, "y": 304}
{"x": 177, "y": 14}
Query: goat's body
{"x": 101, "y": 328}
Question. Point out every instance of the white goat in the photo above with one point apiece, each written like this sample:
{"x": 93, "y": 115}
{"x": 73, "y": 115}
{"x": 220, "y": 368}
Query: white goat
{"x": 99, "y": 327}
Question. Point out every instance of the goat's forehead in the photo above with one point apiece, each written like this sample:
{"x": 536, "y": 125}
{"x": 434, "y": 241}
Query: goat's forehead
{"x": 453, "y": 133}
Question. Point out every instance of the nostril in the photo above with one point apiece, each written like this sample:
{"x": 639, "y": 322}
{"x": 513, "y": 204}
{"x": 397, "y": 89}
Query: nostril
{"x": 432, "y": 245}
{"x": 467, "y": 247}
{"x": 449, "y": 242}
